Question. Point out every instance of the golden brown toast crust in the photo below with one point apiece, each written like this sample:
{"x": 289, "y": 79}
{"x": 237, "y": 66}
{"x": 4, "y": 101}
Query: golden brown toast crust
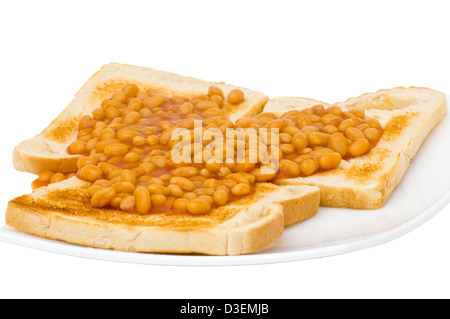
{"x": 67, "y": 215}
{"x": 407, "y": 115}
{"x": 47, "y": 151}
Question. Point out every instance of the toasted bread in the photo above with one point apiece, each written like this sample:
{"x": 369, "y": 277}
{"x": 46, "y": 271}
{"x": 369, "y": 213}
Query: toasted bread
{"x": 407, "y": 115}
{"x": 47, "y": 150}
{"x": 62, "y": 211}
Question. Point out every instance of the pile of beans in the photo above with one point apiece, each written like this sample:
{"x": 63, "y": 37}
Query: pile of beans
{"x": 126, "y": 147}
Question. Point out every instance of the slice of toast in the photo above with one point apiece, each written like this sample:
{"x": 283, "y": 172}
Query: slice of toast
{"x": 47, "y": 150}
{"x": 62, "y": 211}
{"x": 407, "y": 116}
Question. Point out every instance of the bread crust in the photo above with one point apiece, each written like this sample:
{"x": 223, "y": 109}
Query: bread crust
{"x": 296, "y": 210}
{"x": 243, "y": 227}
{"x": 86, "y": 232}
{"x": 47, "y": 150}
{"x": 408, "y": 115}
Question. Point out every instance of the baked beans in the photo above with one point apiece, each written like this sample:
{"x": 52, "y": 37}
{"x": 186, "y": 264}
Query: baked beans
{"x": 126, "y": 149}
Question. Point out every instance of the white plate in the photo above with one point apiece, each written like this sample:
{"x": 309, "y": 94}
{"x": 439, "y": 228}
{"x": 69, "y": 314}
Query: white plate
{"x": 424, "y": 190}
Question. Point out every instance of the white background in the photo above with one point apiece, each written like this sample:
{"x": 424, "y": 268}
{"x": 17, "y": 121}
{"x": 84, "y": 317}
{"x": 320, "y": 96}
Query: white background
{"x": 326, "y": 50}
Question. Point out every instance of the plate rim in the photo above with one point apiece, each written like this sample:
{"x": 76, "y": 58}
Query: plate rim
{"x": 13, "y": 236}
